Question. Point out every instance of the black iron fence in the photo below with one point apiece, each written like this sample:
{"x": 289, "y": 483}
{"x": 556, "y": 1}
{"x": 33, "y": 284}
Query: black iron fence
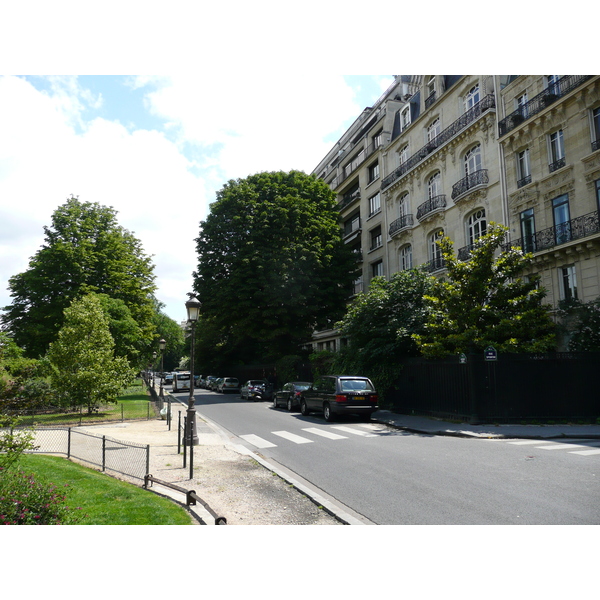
{"x": 105, "y": 452}
{"x": 512, "y": 388}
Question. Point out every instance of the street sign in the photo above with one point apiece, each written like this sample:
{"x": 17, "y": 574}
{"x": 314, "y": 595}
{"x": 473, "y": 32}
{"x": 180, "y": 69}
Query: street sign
{"x": 490, "y": 353}
{"x": 462, "y": 358}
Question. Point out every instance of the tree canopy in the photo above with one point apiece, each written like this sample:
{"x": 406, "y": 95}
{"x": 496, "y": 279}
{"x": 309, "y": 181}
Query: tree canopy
{"x": 272, "y": 266}
{"x": 485, "y": 301}
{"x": 85, "y": 370}
{"x": 85, "y": 250}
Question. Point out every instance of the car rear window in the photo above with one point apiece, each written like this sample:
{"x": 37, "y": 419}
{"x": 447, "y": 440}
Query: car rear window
{"x": 231, "y": 380}
{"x": 183, "y": 377}
{"x": 356, "y": 385}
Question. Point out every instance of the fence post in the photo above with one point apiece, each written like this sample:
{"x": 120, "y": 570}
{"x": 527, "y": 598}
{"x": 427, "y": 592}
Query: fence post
{"x": 103, "y": 453}
{"x": 179, "y": 433}
{"x": 184, "y": 444}
{"x": 69, "y": 443}
{"x": 147, "y": 459}
{"x": 191, "y": 423}
{"x": 122, "y": 414}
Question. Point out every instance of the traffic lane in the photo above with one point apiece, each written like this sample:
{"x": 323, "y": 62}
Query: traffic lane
{"x": 398, "y": 478}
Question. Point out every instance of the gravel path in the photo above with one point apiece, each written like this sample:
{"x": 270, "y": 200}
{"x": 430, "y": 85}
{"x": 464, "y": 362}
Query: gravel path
{"x": 233, "y": 485}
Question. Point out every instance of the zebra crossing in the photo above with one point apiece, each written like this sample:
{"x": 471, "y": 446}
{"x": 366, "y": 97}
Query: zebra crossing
{"x": 307, "y": 435}
{"x": 583, "y": 447}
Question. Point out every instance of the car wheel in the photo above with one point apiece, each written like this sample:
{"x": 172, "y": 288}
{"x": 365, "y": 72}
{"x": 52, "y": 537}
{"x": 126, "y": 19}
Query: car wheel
{"x": 327, "y": 412}
{"x": 303, "y": 408}
{"x": 290, "y": 405}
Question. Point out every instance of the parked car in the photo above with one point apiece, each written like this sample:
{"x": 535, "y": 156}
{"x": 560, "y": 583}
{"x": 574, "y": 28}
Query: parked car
{"x": 210, "y": 381}
{"x": 214, "y": 384}
{"x": 340, "y": 395}
{"x": 289, "y": 395}
{"x": 256, "y": 389}
{"x": 181, "y": 381}
{"x": 228, "y": 384}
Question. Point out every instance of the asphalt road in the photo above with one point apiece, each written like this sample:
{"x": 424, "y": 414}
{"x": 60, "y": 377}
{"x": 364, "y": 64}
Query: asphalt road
{"x": 394, "y": 477}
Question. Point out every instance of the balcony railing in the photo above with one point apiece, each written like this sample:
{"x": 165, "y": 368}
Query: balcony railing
{"x": 464, "y": 121}
{"x": 524, "y": 181}
{"x": 358, "y": 160}
{"x": 401, "y": 223}
{"x": 538, "y": 103}
{"x": 430, "y": 99}
{"x": 432, "y": 204}
{"x": 470, "y": 181}
{"x": 435, "y": 264}
{"x": 563, "y": 233}
{"x": 349, "y": 198}
{"x": 557, "y": 164}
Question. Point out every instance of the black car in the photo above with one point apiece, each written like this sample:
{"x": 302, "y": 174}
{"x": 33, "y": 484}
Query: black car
{"x": 289, "y": 395}
{"x": 256, "y": 389}
{"x": 340, "y": 395}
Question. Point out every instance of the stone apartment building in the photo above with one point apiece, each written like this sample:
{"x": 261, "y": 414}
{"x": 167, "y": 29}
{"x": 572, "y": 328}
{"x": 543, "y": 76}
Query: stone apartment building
{"x": 447, "y": 154}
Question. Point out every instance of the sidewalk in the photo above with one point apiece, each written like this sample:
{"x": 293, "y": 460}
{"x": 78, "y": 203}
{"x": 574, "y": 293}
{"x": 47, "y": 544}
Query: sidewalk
{"x": 433, "y": 426}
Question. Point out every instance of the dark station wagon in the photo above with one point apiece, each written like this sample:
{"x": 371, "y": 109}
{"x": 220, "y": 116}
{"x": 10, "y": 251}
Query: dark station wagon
{"x": 340, "y": 395}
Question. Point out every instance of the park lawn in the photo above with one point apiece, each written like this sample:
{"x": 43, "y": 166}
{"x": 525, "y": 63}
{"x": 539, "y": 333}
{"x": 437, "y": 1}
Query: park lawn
{"x": 103, "y": 499}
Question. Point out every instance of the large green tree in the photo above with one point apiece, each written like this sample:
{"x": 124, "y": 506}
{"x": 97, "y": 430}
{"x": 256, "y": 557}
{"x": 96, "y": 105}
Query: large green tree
{"x": 486, "y": 301}
{"x": 171, "y": 332}
{"x": 272, "y": 265}
{"x": 85, "y": 250}
{"x": 85, "y": 370}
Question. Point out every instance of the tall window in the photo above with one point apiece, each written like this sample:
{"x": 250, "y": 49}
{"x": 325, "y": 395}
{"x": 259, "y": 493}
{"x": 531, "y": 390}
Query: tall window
{"x": 596, "y": 129}
{"x": 553, "y": 86}
{"x": 375, "y": 204}
{"x": 376, "y": 238}
{"x": 472, "y": 97}
{"x": 405, "y": 117}
{"x": 598, "y": 192}
{"x": 473, "y": 160}
{"x": 377, "y": 139}
{"x": 523, "y": 168}
{"x": 403, "y": 155}
{"x": 557, "y": 151}
{"x": 567, "y": 281}
{"x": 377, "y": 269}
{"x": 476, "y": 226}
{"x": 528, "y": 230}
{"x": 562, "y": 219}
{"x": 352, "y": 225}
{"x": 403, "y": 208}
{"x": 521, "y": 103}
{"x": 373, "y": 172}
{"x": 406, "y": 258}
{"x": 435, "y": 252}
{"x": 434, "y": 186}
{"x": 433, "y": 130}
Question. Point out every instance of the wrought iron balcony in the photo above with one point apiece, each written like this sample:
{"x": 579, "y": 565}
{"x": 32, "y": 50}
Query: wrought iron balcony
{"x": 524, "y": 181}
{"x": 538, "y": 103}
{"x": 595, "y": 145}
{"x": 470, "y": 181}
{"x": 349, "y": 198}
{"x": 431, "y": 205}
{"x": 563, "y": 233}
{"x": 464, "y": 121}
{"x": 401, "y": 223}
{"x": 557, "y": 164}
{"x": 430, "y": 99}
{"x": 435, "y": 264}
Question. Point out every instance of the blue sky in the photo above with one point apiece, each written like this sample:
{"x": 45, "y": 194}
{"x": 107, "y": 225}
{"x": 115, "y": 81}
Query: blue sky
{"x": 157, "y": 149}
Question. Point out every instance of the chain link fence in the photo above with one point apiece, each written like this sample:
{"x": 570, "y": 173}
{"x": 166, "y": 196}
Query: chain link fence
{"x": 127, "y": 458}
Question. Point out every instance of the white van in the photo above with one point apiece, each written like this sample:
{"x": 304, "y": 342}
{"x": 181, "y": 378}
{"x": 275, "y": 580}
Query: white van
{"x": 181, "y": 381}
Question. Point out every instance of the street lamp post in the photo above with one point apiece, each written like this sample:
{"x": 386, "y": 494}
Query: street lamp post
{"x": 193, "y": 312}
{"x": 162, "y": 345}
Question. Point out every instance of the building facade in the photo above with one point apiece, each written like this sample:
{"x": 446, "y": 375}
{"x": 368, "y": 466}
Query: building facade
{"x": 447, "y": 154}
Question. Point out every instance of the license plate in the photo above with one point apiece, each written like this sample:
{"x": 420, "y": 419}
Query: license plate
{"x": 361, "y": 398}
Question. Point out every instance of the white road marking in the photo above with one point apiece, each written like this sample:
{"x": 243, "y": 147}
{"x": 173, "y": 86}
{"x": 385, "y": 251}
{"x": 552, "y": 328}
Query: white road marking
{"x": 292, "y": 437}
{"x": 525, "y": 442}
{"x": 325, "y": 434}
{"x": 354, "y": 431}
{"x": 561, "y": 446}
{"x": 586, "y": 452}
{"x": 257, "y": 441}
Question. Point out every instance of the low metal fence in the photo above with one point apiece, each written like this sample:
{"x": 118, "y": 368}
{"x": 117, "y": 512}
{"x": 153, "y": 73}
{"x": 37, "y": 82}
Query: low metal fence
{"x": 126, "y": 458}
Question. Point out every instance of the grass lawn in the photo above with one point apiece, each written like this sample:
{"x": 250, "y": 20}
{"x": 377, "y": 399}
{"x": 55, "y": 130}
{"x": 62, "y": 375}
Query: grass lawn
{"x": 105, "y": 500}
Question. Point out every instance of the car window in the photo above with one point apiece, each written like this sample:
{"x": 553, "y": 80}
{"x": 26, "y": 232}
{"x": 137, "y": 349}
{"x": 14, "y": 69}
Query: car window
{"x": 356, "y": 385}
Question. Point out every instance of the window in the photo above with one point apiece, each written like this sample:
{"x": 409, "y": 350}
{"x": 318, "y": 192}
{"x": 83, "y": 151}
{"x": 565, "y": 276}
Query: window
{"x": 406, "y": 258}
{"x": 562, "y": 219}
{"x": 405, "y": 117}
{"x": 472, "y": 160}
{"x": 373, "y": 172}
{"x": 377, "y": 139}
{"x": 352, "y": 225}
{"x": 553, "y": 86}
{"x": 434, "y": 186}
{"x": 528, "y": 230}
{"x": 433, "y": 130}
{"x": 523, "y": 168}
{"x": 596, "y": 129}
{"x": 476, "y": 226}
{"x": 521, "y": 103}
{"x": 567, "y": 282}
{"x": 598, "y": 192}
{"x": 556, "y": 151}
{"x": 376, "y": 239}
{"x": 472, "y": 97}
{"x": 403, "y": 207}
{"x": 377, "y": 269}
{"x": 430, "y": 92}
{"x": 375, "y": 204}
{"x": 403, "y": 155}
{"x": 435, "y": 252}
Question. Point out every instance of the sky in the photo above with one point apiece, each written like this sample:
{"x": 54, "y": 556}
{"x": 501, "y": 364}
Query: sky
{"x": 157, "y": 149}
